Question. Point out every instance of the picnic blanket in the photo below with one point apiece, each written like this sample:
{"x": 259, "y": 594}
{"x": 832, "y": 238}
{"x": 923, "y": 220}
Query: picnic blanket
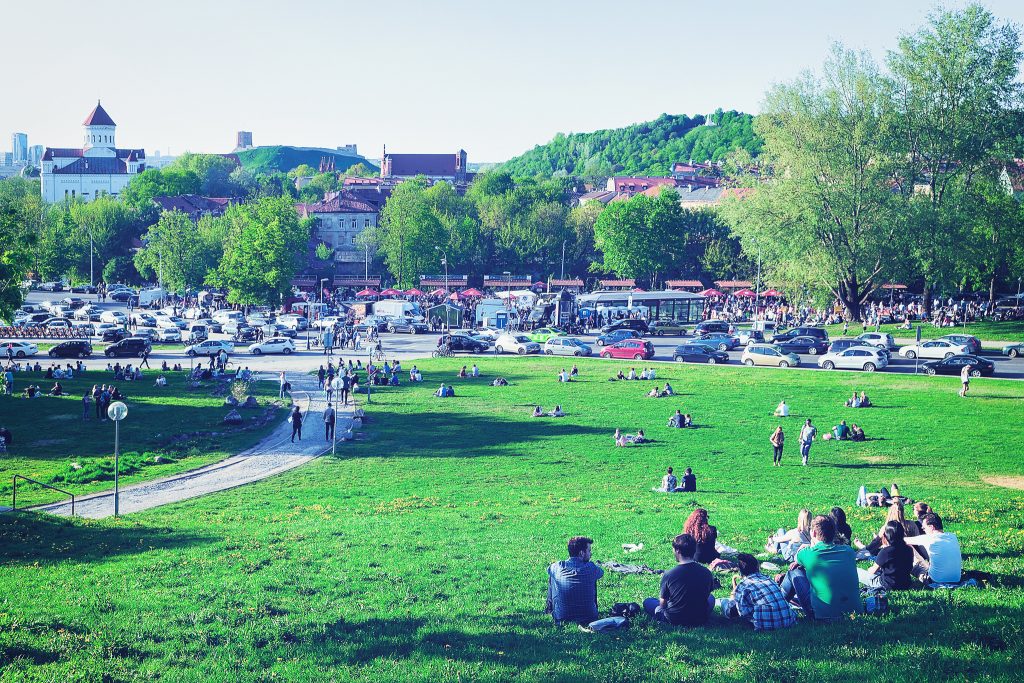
{"x": 619, "y": 568}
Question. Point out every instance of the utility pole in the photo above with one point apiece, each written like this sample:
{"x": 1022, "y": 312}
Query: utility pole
{"x": 563, "y": 260}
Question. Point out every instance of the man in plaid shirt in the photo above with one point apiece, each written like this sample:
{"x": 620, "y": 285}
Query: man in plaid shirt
{"x": 572, "y": 585}
{"x": 757, "y": 598}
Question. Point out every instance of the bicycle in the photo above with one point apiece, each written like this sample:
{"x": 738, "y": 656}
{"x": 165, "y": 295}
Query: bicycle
{"x": 443, "y": 352}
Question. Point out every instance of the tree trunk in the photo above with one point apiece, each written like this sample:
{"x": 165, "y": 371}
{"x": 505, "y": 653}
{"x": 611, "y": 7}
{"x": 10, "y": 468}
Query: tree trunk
{"x": 927, "y": 295}
{"x": 992, "y": 292}
{"x": 849, "y": 296}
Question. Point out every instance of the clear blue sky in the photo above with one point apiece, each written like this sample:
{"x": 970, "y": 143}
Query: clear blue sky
{"x": 420, "y": 76}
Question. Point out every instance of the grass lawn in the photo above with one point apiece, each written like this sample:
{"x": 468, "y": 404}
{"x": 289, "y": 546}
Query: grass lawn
{"x": 54, "y": 445}
{"x": 1008, "y": 331}
{"x": 419, "y": 553}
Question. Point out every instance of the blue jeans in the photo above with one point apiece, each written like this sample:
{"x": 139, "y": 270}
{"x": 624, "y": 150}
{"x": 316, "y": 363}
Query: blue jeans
{"x": 796, "y": 585}
{"x": 653, "y": 608}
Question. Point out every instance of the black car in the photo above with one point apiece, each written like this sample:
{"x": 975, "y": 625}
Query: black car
{"x": 699, "y": 353}
{"x": 708, "y": 326}
{"x": 83, "y": 289}
{"x": 979, "y": 367}
{"x": 76, "y": 348}
{"x": 793, "y": 333}
{"x": 132, "y": 346}
{"x": 244, "y": 334}
{"x": 811, "y": 345}
{"x": 407, "y": 325}
{"x": 462, "y": 342}
{"x": 115, "y": 335}
{"x": 670, "y": 327}
{"x": 122, "y": 295}
{"x": 635, "y": 324}
{"x": 73, "y": 301}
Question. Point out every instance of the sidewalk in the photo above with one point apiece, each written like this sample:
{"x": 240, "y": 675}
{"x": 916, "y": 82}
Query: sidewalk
{"x": 273, "y": 455}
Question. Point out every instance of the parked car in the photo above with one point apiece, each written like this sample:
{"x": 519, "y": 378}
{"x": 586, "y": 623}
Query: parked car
{"x": 19, "y": 349}
{"x": 811, "y": 345}
{"x": 699, "y": 353}
{"x": 768, "y": 354}
{"x": 972, "y": 343}
{"x": 83, "y": 289}
{"x": 75, "y": 348}
{"x": 296, "y": 322}
{"x": 86, "y": 312}
{"x": 197, "y": 332}
{"x": 794, "y": 332}
{"x": 636, "y": 324}
{"x": 515, "y": 343}
{"x": 882, "y": 340}
{"x": 273, "y": 345}
{"x": 144, "y": 319}
{"x": 50, "y": 287}
{"x": 674, "y": 328}
{"x": 936, "y": 348}
{"x": 73, "y": 302}
{"x": 121, "y": 295}
{"x": 244, "y": 334}
{"x": 862, "y": 357}
{"x": 116, "y": 317}
{"x": 1014, "y": 350}
{"x": 706, "y": 326}
{"x": 566, "y": 346}
{"x": 749, "y": 335}
{"x": 132, "y": 346}
{"x": 233, "y": 327}
{"x": 719, "y": 340}
{"x": 844, "y": 343}
{"x": 372, "y": 321}
{"x": 328, "y": 322}
{"x": 408, "y": 325}
{"x": 210, "y": 347}
{"x": 113, "y": 334}
{"x": 168, "y": 334}
{"x": 979, "y": 367}
{"x": 542, "y": 334}
{"x": 463, "y": 342}
{"x": 57, "y": 323}
{"x": 637, "y": 349}
{"x": 278, "y": 330}
{"x": 616, "y": 336}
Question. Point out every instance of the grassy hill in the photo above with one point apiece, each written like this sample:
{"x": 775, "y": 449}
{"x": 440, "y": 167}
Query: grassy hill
{"x": 284, "y": 158}
{"x": 648, "y": 148}
{"x": 419, "y": 552}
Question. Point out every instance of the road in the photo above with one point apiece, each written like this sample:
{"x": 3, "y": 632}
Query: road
{"x": 411, "y": 347}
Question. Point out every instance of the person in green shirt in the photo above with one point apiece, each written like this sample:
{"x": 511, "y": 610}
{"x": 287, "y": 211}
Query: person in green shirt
{"x": 824, "y": 577}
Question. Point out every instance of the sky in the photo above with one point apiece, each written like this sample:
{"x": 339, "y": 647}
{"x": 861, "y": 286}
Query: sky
{"x": 492, "y": 78}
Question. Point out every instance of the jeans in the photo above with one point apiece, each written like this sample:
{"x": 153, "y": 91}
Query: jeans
{"x": 868, "y": 579}
{"x": 329, "y": 430}
{"x": 796, "y": 585}
{"x": 805, "y": 451}
{"x": 296, "y": 430}
{"x": 652, "y": 606}
{"x": 777, "y": 454}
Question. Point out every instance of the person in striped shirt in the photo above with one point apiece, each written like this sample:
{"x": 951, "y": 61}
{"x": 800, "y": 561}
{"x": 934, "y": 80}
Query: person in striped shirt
{"x": 757, "y": 598}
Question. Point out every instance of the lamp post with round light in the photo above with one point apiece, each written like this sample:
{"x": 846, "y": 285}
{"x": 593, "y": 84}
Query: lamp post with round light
{"x": 117, "y": 411}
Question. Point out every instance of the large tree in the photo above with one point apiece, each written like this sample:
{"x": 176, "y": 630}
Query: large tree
{"x": 20, "y": 211}
{"x": 181, "y": 253}
{"x": 827, "y": 216}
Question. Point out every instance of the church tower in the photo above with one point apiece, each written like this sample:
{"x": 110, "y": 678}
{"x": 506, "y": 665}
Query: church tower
{"x": 99, "y": 133}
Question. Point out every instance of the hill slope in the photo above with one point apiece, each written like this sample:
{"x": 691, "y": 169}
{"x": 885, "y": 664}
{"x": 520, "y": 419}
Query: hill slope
{"x": 284, "y": 158}
{"x": 647, "y": 148}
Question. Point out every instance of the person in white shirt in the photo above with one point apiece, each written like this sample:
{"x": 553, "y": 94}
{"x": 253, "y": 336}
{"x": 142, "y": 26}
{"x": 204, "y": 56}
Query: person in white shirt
{"x": 475, "y": 372}
{"x": 669, "y": 482}
{"x": 782, "y": 410}
{"x": 652, "y": 374}
{"x": 632, "y": 374}
{"x": 563, "y": 376}
{"x": 945, "y": 563}
{"x": 806, "y": 439}
{"x": 965, "y": 380}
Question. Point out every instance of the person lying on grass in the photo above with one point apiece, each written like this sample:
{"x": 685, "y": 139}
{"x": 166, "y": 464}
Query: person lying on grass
{"x": 757, "y": 598}
{"x": 685, "y": 596}
{"x": 572, "y": 585}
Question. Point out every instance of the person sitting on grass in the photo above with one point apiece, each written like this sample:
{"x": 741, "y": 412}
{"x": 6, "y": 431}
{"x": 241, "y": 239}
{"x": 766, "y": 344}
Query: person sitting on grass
{"x": 161, "y": 381}
{"x": 163, "y": 367}
{"x": 563, "y": 376}
{"x": 557, "y": 412}
{"x": 620, "y": 438}
{"x": 442, "y": 392}
{"x": 945, "y": 562}
{"x": 853, "y": 402}
{"x": 689, "y": 482}
{"x": 463, "y": 374}
{"x": 669, "y": 483}
{"x": 499, "y": 382}
{"x": 538, "y": 412}
{"x": 687, "y": 421}
{"x": 56, "y": 389}
{"x": 632, "y": 374}
{"x": 841, "y": 431}
{"x": 639, "y": 437}
{"x": 706, "y": 536}
{"x": 575, "y": 372}
{"x": 843, "y": 531}
{"x": 757, "y": 598}
{"x": 572, "y": 585}
{"x": 619, "y": 376}
{"x": 652, "y": 374}
{"x": 644, "y": 375}
{"x": 823, "y": 579}
{"x": 676, "y": 420}
{"x": 668, "y": 390}
{"x": 474, "y": 371}
{"x": 654, "y": 393}
{"x": 864, "y": 401}
{"x": 782, "y": 410}
{"x": 856, "y": 433}
{"x": 685, "y": 596}
{"x": 788, "y": 543}
{"x": 893, "y": 563}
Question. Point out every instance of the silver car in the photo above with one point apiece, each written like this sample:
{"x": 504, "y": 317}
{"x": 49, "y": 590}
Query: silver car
{"x": 867, "y": 358}
{"x": 566, "y": 346}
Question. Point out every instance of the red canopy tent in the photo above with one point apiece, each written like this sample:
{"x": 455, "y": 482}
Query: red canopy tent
{"x": 539, "y": 285}
{"x": 745, "y": 292}
{"x": 413, "y": 292}
{"x": 472, "y": 291}
{"x": 456, "y": 296}
{"x": 368, "y": 292}
{"x": 711, "y": 292}
{"x": 438, "y": 292}
{"x": 391, "y": 291}
{"x": 771, "y": 292}
{"x": 639, "y": 289}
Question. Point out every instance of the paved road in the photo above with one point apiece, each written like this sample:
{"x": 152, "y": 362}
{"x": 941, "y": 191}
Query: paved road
{"x": 411, "y": 347}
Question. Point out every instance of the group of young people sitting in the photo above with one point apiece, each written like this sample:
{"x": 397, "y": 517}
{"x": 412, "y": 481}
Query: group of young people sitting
{"x": 680, "y": 421}
{"x": 464, "y": 374}
{"x": 557, "y": 412}
{"x": 662, "y": 393}
{"x": 844, "y": 432}
{"x": 645, "y": 374}
{"x": 444, "y": 391}
{"x": 822, "y": 581}
{"x": 670, "y": 483}
{"x": 626, "y": 439}
{"x": 569, "y": 376}
{"x": 861, "y": 401}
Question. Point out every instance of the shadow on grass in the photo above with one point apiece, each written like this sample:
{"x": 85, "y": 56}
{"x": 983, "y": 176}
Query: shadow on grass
{"x": 29, "y": 538}
{"x": 871, "y": 465}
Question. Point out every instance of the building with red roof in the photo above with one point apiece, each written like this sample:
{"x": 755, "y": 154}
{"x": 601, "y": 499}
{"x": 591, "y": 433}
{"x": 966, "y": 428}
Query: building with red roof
{"x": 338, "y": 220}
{"x": 435, "y": 167}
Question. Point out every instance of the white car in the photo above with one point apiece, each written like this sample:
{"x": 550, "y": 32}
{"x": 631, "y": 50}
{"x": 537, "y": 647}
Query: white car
{"x": 882, "y": 340}
{"x": 867, "y": 358}
{"x": 328, "y": 322}
{"x": 54, "y": 323}
{"x": 273, "y": 345}
{"x": 296, "y": 322}
{"x": 768, "y": 354}
{"x": 116, "y": 317}
{"x": 99, "y": 328}
{"x": 516, "y": 343}
{"x": 19, "y": 349}
{"x": 936, "y": 348}
{"x": 166, "y": 321}
{"x": 192, "y": 313}
{"x": 210, "y": 347}
{"x": 566, "y": 346}
{"x": 168, "y": 334}
{"x": 85, "y": 312}
{"x": 144, "y": 319}
{"x": 488, "y": 333}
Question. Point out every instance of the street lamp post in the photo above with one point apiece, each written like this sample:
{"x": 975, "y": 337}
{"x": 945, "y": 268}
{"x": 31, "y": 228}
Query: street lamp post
{"x": 508, "y": 295}
{"x": 563, "y": 260}
{"x": 444, "y": 260}
{"x": 117, "y": 412}
{"x": 1017, "y": 303}
{"x": 336, "y": 386}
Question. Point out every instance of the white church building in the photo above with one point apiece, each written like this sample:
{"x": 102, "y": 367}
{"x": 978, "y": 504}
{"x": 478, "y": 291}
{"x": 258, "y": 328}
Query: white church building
{"x": 98, "y": 168}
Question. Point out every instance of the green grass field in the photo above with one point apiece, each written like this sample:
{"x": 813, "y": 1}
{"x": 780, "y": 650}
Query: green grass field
{"x": 51, "y": 438}
{"x": 1007, "y": 331}
{"x": 419, "y": 553}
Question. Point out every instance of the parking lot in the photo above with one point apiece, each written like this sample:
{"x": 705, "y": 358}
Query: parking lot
{"x": 408, "y": 347}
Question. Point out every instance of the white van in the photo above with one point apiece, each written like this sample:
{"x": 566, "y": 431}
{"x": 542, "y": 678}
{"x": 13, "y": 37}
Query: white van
{"x": 396, "y": 308}
{"x": 148, "y": 297}
{"x": 226, "y": 315}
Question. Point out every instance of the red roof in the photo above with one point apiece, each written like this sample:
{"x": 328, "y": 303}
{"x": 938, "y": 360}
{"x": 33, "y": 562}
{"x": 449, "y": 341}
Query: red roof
{"x": 422, "y": 164}
{"x": 618, "y": 283}
{"x": 336, "y": 202}
{"x": 683, "y": 283}
{"x": 98, "y": 117}
{"x": 566, "y": 283}
{"x": 726, "y": 284}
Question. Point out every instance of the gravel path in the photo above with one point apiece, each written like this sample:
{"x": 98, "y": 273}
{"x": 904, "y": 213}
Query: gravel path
{"x": 271, "y": 456}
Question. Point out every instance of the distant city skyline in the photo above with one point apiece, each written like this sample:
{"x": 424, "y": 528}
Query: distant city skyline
{"x": 418, "y": 77}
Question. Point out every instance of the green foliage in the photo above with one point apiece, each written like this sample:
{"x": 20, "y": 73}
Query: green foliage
{"x": 323, "y": 252}
{"x": 648, "y": 148}
{"x": 20, "y": 209}
{"x": 283, "y": 158}
{"x": 120, "y": 269}
{"x": 183, "y": 251}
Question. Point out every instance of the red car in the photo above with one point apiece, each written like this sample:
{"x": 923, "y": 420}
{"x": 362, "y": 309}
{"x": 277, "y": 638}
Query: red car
{"x": 637, "y": 349}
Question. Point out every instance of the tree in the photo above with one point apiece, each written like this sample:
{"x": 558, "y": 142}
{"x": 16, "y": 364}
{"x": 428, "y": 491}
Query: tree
{"x": 323, "y": 252}
{"x": 827, "y": 218}
{"x": 634, "y": 236}
{"x": 181, "y": 253}
{"x": 120, "y": 269}
{"x": 408, "y": 232}
{"x": 265, "y": 245}
{"x": 20, "y": 211}
{"x": 953, "y": 88}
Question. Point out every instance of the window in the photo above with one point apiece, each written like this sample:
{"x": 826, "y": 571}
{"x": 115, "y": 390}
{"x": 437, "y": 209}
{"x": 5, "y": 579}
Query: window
{"x": 353, "y": 239}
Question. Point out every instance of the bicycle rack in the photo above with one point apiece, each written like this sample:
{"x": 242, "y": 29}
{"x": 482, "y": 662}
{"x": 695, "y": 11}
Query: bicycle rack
{"x": 14, "y": 498}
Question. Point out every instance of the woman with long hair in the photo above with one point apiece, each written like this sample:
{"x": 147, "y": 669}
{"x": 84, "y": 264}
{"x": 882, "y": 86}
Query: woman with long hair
{"x": 789, "y": 542}
{"x": 706, "y": 535}
{"x": 843, "y": 531}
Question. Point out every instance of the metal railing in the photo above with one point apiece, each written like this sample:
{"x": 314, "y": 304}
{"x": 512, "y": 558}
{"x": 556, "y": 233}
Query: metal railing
{"x": 14, "y": 499}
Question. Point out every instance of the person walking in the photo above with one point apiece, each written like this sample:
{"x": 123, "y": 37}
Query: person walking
{"x": 281, "y": 381}
{"x": 97, "y": 393}
{"x": 346, "y": 387}
{"x": 807, "y": 435}
{"x": 296, "y": 424}
{"x": 329, "y": 419}
{"x": 320, "y": 374}
{"x": 777, "y": 440}
{"x": 145, "y": 359}
{"x": 965, "y": 381}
